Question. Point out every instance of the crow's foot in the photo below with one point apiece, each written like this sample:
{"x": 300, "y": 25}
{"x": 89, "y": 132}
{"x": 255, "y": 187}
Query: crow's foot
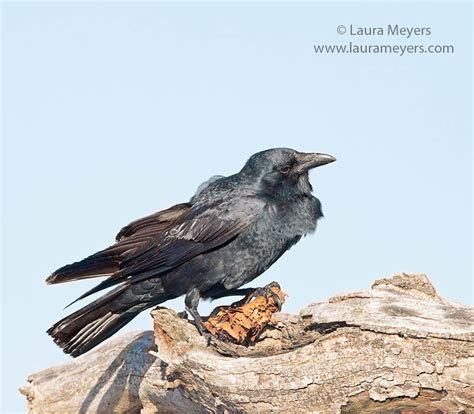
{"x": 200, "y": 325}
{"x": 183, "y": 315}
{"x": 266, "y": 292}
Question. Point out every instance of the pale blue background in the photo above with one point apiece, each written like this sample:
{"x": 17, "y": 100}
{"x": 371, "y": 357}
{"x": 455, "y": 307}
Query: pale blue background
{"x": 113, "y": 111}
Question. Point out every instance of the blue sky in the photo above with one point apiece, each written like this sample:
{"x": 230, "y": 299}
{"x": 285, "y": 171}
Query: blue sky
{"x": 112, "y": 111}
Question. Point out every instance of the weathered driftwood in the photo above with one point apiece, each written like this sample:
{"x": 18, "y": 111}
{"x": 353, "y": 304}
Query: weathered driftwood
{"x": 398, "y": 347}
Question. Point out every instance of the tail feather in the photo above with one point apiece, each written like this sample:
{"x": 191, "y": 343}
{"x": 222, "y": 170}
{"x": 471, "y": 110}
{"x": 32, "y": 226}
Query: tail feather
{"x": 94, "y": 323}
{"x": 93, "y": 334}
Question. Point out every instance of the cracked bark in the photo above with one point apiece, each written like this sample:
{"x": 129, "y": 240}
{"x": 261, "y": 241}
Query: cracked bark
{"x": 398, "y": 347}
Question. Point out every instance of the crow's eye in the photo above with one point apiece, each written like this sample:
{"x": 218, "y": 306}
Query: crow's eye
{"x": 285, "y": 169}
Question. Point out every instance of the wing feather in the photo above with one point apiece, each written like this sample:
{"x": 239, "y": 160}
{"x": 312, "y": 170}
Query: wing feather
{"x": 153, "y": 246}
{"x": 130, "y": 239}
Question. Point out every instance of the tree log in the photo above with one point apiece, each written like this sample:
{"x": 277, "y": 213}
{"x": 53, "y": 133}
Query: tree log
{"x": 396, "y": 348}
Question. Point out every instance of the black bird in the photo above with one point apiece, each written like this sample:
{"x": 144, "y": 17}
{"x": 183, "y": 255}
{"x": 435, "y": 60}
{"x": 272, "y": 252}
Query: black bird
{"x": 231, "y": 231}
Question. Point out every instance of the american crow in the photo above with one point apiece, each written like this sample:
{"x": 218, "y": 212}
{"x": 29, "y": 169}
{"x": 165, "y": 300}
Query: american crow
{"x": 231, "y": 231}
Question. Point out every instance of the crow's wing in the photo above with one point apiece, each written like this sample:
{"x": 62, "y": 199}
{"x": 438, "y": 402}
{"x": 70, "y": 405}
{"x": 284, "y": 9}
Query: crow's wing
{"x": 154, "y": 223}
{"x": 130, "y": 239}
{"x": 205, "y": 228}
{"x": 197, "y": 231}
{"x": 181, "y": 243}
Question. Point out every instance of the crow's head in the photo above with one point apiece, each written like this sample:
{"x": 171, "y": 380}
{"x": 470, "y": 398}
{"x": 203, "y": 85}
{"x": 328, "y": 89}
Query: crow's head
{"x": 284, "y": 171}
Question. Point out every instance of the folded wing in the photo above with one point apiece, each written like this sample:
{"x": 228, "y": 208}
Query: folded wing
{"x": 158, "y": 243}
{"x": 130, "y": 239}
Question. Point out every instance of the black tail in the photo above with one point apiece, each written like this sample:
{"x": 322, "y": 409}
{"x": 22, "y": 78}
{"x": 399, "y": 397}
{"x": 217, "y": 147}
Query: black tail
{"x": 94, "y": 323}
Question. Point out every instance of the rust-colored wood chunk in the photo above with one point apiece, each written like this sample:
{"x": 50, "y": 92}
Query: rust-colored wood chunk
{"x": 241, "y": 322}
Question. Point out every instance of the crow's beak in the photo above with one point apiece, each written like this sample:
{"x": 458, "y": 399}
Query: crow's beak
{"x": 309, "y": 160}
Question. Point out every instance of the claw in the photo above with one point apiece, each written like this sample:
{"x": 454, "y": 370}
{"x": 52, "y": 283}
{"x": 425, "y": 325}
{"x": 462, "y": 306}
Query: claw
{"x": 266, "y": 291}
{"x": 208, "y": 337}
{"x": 183, "y": 315}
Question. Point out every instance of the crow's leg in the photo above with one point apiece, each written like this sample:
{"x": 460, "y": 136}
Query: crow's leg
{"x": 265, "y": 292}
{"x": 191, "y": 302}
